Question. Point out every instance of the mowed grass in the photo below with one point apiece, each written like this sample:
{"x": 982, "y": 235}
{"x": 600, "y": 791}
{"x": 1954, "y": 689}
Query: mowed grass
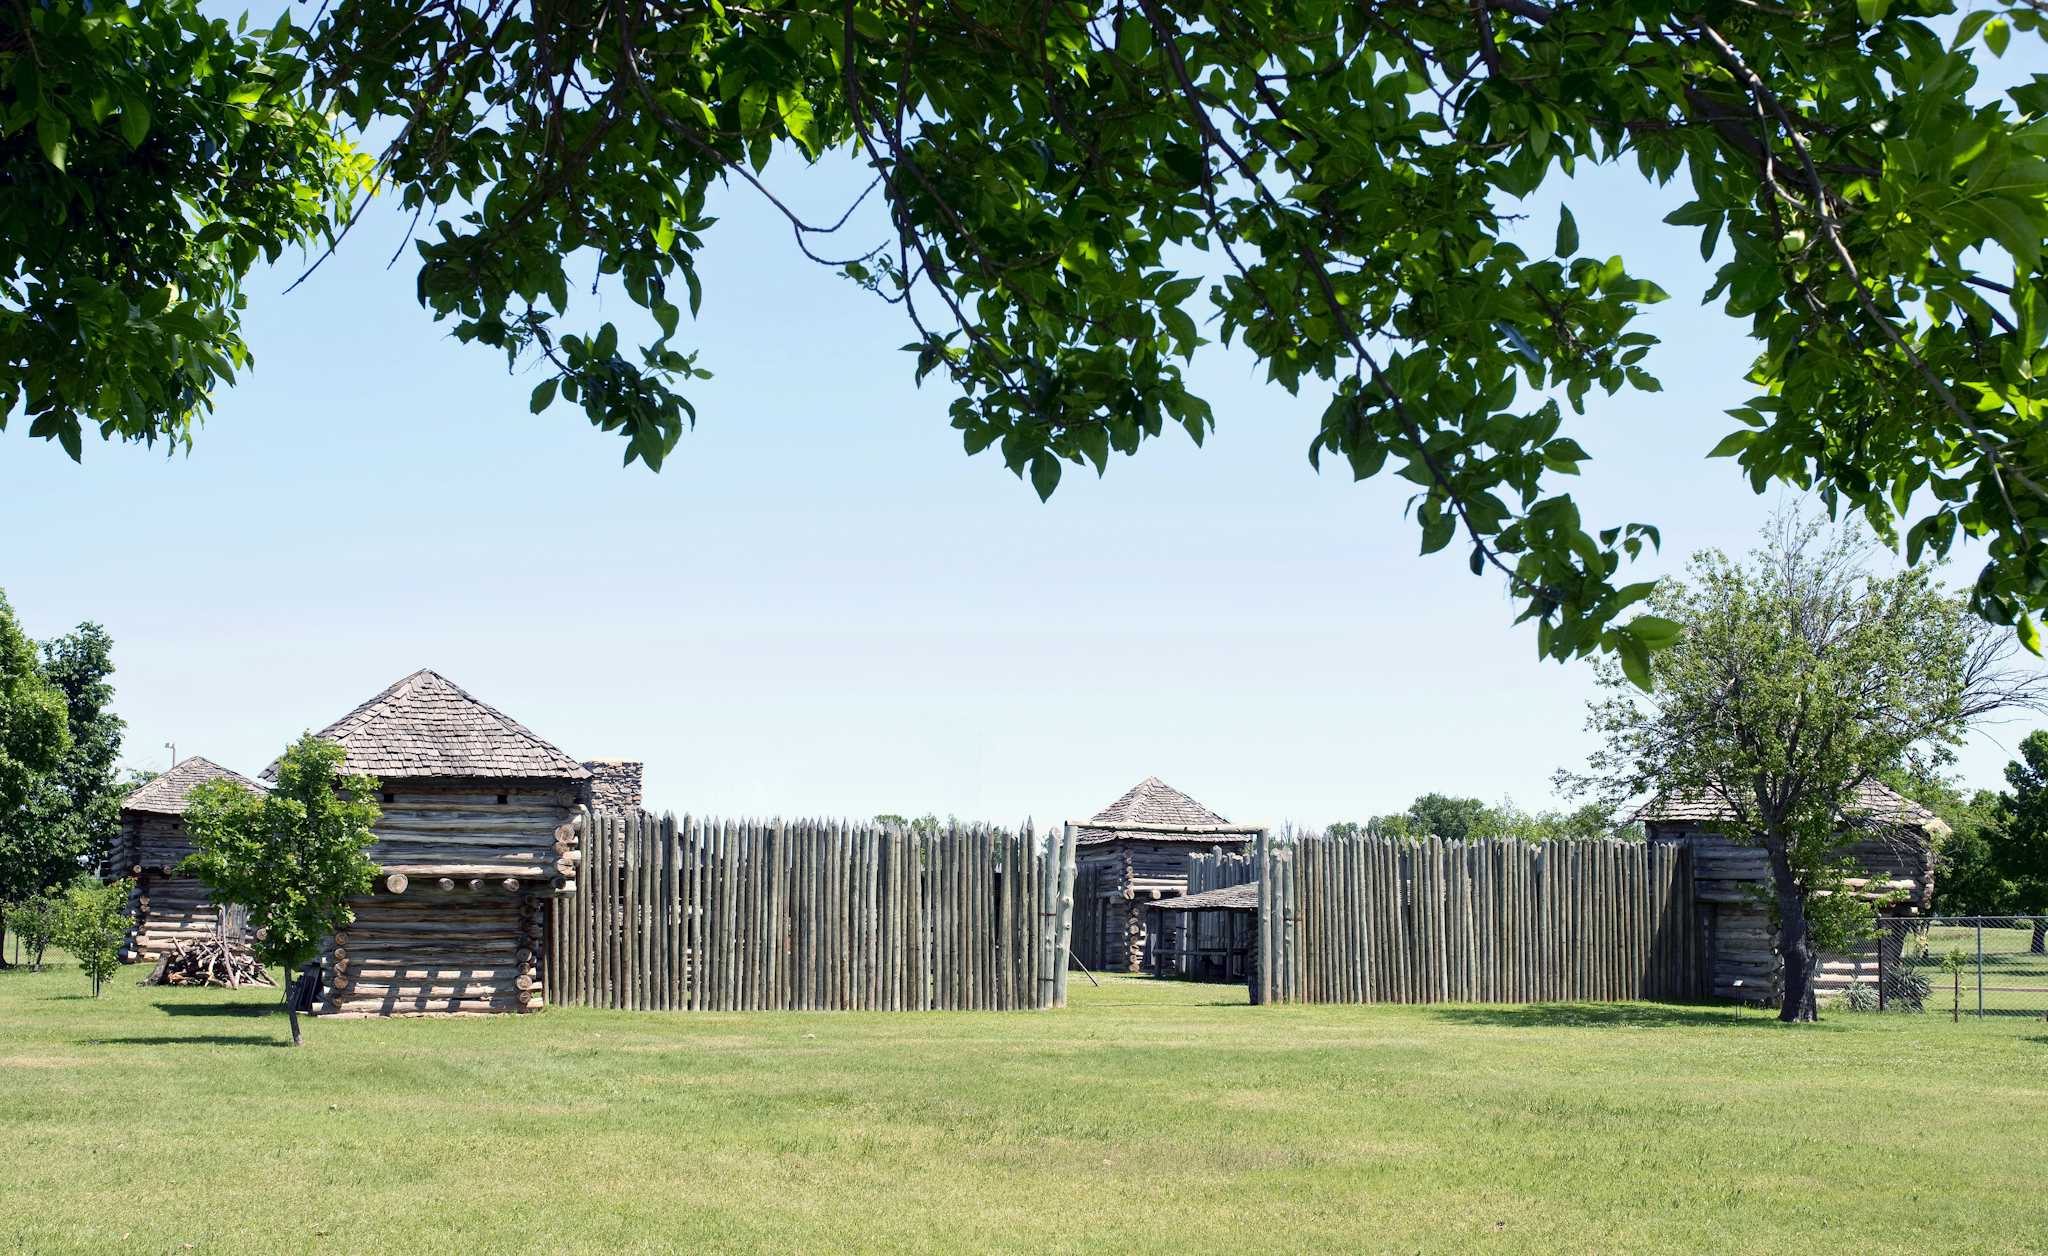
{"x": 1147, "y": 1117}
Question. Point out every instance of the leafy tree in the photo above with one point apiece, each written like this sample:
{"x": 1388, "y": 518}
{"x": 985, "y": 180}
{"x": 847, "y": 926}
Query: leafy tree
{"x": 151, "y": 156}
{"x": 1799, "y": 676}
{"x": 88, "y": 782}
{"x": 36, "y": 921}
{"x": 1967, "y": 881}
{"x": 33, "y": 740}
{"x": 72, "y": 813}
{"x": 293, "y": 856}
{"x": 2018, "y": 843}
{"x": 1080, "y": 196}
{"x": 927, "y": 823}
{"x": 92, "y": 924}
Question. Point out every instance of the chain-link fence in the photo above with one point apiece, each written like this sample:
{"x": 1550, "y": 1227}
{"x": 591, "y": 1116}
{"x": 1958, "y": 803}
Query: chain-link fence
{"x": 1961, "y": 966}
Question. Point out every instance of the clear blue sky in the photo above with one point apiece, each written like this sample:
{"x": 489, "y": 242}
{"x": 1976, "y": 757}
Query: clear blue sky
{"x": 822, "y": 605}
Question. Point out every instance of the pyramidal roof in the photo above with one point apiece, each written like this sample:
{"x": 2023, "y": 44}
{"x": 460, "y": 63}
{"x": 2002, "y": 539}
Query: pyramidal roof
{"x": 166, "y": 794}
{"x": 1150, "y": 801}
{"x": 428, "y": 726}
{"x": 1874, "y": 802}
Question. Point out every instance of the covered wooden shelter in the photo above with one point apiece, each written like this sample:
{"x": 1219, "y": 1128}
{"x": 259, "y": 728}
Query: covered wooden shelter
{"x": 1133, "y": 852}
{"x": 168, "y": 906}
{"x": 478, "y": 832}
{"x": 1890, "y": 838}
{"x": 1217, "y": 935}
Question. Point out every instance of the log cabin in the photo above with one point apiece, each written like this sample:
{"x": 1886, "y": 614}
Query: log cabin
{"x": 1891, "y": 839}
{"x": 167, "y": 906}
{"x": 1130, "y": 853}
{"x": 477, "y": 835}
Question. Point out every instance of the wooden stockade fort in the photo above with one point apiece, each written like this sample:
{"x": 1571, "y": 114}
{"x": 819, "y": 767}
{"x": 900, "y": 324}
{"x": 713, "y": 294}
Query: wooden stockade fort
{"x": 1360, "y": 919}
{"x": 511, "y": 876}
{"x": 724, "y": 915}
{"x": 167, "y": 906}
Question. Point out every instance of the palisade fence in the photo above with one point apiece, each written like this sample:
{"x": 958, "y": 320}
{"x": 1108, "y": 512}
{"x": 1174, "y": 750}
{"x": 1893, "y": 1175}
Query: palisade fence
{"x": 812, "y": 915}
{"x": 1372, "y": 920}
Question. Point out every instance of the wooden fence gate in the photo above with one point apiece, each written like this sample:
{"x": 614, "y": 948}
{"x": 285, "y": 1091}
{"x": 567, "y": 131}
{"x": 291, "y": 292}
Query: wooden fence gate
{"x": 724, "y": 915}
{"x": 1374, "y": 920}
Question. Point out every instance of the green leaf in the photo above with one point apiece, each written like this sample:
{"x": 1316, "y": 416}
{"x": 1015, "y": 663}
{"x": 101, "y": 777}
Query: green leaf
{"x": 135, "y": 120}
{"x": 1733, "y": 443}
{"x": 1045, "y": 475}
{"x": 2030, "y": 635}
{"x": 1871, "y": 12}
{"x": 53, "y": 133}
{"x": 1655, "y": 631}
{"x": 1635, "y": 662}
{"x": 544, "y": 396}
{"x": 1567, "y": 233}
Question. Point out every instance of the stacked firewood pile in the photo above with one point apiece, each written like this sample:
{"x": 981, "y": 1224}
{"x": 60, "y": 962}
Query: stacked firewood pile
{"x": 215, "y": 961}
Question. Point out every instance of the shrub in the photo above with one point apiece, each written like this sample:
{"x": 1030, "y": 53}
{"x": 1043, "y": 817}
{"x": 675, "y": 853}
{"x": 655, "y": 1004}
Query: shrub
{"x": 35, "y": 921}
{"x": 94, "y": 920}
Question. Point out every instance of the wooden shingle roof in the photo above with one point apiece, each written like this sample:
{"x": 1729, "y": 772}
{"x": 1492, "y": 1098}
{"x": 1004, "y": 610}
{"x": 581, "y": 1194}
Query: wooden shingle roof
{"x": 428, "y": 726}
{"x": 1875, "y": 803}
{"x": 1150, "y": 801}
{"x": 1244, "y": 897}
{"x": 165, "y": 795}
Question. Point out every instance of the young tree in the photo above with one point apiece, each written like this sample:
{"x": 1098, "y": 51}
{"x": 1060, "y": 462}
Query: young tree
{"x": 33, "y": 741}
{"x": 1796, "y": 678}
{"x": 87, "y": 780}
{"x": 91, "y": 925}
{"x": 1071, "y": 194}
{"x": 36, "y": 921}
{"x": 293, "y": 856}
{"x": 2018, "y": 843}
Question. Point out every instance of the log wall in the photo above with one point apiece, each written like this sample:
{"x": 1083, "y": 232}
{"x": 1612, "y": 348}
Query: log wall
{"x": 724, "y": 915}
{"x": 456, "y": 923}
{"x": 165, "y": 909}
{"x": 1733, "y": 884}
{"x": 151, "y": 842}
{"x": 1371, "y": 920}
{"x": 1121, "y": 875}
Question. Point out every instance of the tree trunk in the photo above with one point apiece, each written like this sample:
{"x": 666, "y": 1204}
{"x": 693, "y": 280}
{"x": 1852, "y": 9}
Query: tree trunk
{"x": 291, "y": 1002}
{"x": 1795, "y": 940}
{"x": 3, "y": 937}
{"x": 2040, "y": 936}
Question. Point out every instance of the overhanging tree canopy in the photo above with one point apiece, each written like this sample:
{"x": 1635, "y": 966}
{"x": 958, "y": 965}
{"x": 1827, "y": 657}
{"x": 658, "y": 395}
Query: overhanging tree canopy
{"x": 1345, "y": 171}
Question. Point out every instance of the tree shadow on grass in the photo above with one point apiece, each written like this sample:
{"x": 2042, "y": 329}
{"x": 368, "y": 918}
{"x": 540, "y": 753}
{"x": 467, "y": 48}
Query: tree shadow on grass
{"x": 194, "y": 1040}
{"x": 1610, "y": 1016}
{"x": 271, "y": 1007}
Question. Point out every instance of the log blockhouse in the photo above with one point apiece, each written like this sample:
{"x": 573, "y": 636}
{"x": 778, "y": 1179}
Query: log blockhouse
{"x": 166, "y": 906}
{"x": 1131, "y": 853}
{"x": 1891, "y": 839}
{"x": 478, "y": 833}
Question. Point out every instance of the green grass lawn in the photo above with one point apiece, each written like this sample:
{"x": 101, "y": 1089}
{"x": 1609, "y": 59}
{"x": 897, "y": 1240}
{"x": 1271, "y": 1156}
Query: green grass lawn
{"x": 1148, "y": 1116}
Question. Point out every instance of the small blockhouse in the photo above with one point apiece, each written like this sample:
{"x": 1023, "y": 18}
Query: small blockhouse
{"x": 167, "y": 906}
{"x": 1890, "y": 838}
{"x": 1130, "y": 853}
{"x": 475, "y": 839}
